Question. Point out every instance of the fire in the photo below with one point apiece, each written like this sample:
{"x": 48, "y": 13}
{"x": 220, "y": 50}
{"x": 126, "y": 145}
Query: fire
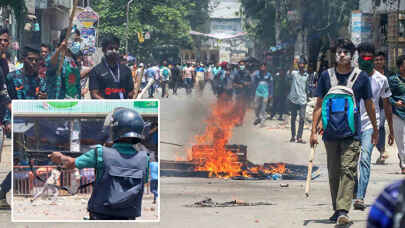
{"x": 216, "y": 158}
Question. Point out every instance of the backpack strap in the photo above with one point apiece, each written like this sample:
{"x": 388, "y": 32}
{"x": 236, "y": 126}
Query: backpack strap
{"x": 350, "y": 81}
{"x": 332, "y": 77}
{"x": 353, "y": 77}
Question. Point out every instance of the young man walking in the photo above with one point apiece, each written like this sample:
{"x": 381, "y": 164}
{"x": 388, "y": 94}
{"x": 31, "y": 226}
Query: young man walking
{"x": 379, "y": 65}
{"x": 338, "y": 91}
{"x": 380, "y": 90}
{"x": 263, "y": 83}
{"x": 298, "y": 99}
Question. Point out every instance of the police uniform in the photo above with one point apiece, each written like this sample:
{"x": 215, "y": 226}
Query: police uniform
{"x": 121, "y": 171}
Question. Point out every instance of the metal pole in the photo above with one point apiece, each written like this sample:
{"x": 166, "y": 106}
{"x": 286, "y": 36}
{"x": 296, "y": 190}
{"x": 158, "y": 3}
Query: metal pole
{"x": 126, "y": 43}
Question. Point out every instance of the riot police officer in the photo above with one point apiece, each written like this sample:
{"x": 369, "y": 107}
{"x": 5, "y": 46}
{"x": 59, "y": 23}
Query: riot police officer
{"x": 121, "y": 171}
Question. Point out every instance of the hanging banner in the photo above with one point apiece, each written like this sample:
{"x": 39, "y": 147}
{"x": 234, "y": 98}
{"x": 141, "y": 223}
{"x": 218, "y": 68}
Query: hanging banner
{"x": 86, "y": 23}
{"x": 87, "y": 18}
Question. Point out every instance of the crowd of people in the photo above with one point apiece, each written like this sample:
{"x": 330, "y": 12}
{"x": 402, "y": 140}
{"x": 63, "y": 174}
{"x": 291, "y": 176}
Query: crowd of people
{"x": 353, "y": 103}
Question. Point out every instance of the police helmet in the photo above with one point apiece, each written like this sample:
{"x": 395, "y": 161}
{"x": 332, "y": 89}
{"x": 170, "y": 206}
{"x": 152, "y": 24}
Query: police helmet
{"x": 126, "y": 124}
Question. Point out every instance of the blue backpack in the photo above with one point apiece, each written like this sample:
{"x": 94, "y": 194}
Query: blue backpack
{"x": 339, "y": 107}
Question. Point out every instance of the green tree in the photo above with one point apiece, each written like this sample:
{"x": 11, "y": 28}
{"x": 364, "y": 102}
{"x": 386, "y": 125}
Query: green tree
{"x": 167, "y": 21}
{"x": 318, "y": 21}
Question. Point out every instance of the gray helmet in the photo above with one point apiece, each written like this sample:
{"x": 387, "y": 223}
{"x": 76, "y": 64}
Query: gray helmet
{"x": 125, "y": 123}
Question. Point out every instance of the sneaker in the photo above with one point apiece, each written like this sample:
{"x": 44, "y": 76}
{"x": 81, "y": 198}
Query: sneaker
{"x": 380, "y": 161}
{"x": 257, "y": 121}
{"x": 301, "y": 141}
{"x": 343, "y": 219}
{"x": 292, "y": 139}
{"x": 359, "y": 205}
{"x": 334, "y": 217}
{"x": 4, "y": 205}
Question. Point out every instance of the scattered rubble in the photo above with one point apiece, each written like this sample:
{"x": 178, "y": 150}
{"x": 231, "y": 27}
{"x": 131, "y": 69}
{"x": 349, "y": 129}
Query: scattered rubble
{"x": 208, "y": 202}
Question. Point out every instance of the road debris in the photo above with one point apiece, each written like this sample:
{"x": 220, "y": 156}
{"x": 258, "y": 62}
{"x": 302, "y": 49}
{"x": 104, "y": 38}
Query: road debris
{"x": 208, "y": 202}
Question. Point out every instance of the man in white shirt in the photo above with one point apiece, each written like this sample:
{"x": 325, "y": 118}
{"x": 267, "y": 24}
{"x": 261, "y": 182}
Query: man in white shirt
{"x": 380, "y": 89}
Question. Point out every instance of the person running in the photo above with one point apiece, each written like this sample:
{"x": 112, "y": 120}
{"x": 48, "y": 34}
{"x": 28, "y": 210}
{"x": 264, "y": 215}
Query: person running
{"x": 380, "y": 90}
{"x": 298, "y": 98}
{"x": 50, "y": 184}
{"x": 341, "y": 130}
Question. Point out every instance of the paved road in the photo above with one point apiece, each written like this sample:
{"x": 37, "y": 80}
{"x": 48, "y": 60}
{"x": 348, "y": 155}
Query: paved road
{"x": 181, "y": 119}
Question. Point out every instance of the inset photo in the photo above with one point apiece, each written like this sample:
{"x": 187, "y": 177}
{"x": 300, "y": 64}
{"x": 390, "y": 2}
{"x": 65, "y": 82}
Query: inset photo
{"x": 83, "y": 160}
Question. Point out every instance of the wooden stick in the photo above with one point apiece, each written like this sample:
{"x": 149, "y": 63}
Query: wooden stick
{"x": 309, "y": 175}
{"x": 150, "y": 83}
{"x": 69, "y": 30}
{"x": 138, "y": 82}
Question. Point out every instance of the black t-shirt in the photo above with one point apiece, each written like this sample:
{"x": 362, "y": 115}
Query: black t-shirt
{"x": 102, "y": 79}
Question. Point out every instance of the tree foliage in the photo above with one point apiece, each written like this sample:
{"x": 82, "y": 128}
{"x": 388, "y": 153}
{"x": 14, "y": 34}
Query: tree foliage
{"x": 323, "y": 20}
{"x": 167, "y": 21}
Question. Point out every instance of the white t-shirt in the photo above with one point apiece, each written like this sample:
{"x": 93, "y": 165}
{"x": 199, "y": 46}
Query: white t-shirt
{"x": 380, "y": 88}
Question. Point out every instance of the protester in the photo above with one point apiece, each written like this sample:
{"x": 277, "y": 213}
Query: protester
{"x": 45, "y": 50}
{"x": 241, "y": 84}
{"x": 111, "y": 79}
{"x": 397, "y": 100}
{"x": 380, "y": 90}
{"x": 5, "y": 112}
{"x": 224, "y": 85}
{"x": 263, "y": 83}
{"x": 200, "y": 72}
{"x": 66, "y": 84}
{"x": 26, "y": 83}
{"x": 50, "y": 184}
{"x": 154, "y": 173}
{"x": 298, "y": 99}
{"x": 379, "y": 65}
{"x": 188, "y": 73}
{"x": 165, "y": 74}
{"x": 280, "y": 94}
{"x": 341, "y": 130}
{"x": 176, "y": 78}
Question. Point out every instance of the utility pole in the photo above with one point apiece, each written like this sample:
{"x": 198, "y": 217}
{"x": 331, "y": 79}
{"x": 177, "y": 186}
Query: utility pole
{"x": 126, "y": 43}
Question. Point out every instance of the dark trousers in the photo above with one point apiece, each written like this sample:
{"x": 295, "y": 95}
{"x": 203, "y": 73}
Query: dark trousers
{"x": 188, "y": 83}
{"x": 96, "y": 216}
{"x": 175, "y": 86}
{"x": 279, "y": 106}
{"x": 241, "y": 105}
{"x": 152, "y": 90}
{"x": 300, "y": 110}
{"x": 165, "y": 90}
{"x": 154, "y": 188}
{"x": 6, "y": 184}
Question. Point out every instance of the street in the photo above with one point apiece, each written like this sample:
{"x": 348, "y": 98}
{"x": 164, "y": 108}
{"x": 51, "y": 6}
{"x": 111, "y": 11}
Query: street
{"x": 185, "y": 115}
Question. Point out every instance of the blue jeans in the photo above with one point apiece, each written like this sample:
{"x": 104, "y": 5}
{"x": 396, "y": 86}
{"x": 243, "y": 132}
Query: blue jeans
{"x": 188, "y": 82}
{"x": 364, "y": 163}
{"x": 6, "y": 184}
{"x": 381, "y": 133}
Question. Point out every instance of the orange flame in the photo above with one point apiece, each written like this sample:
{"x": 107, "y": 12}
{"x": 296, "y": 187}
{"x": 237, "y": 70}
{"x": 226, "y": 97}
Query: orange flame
{"x": 216, "y": 159}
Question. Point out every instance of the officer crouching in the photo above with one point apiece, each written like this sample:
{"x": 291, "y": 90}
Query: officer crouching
{"x": 121, "y": 171}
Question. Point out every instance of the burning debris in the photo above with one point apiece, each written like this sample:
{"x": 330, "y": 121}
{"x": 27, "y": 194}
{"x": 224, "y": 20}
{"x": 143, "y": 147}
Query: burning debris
{"x": 212, "y": 154}
{"x": 208, "y": 202}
